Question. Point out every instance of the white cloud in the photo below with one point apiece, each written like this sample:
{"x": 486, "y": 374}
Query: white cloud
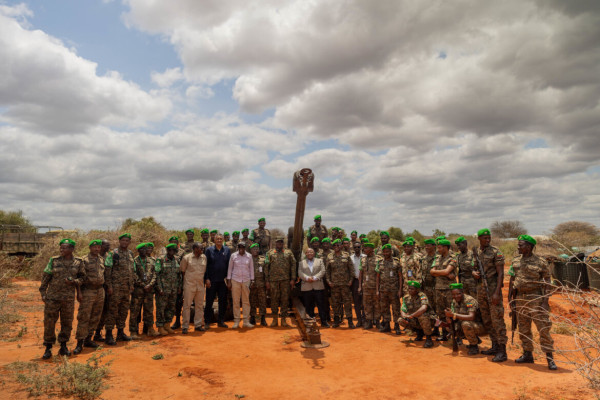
{"x": 167, "y": 78}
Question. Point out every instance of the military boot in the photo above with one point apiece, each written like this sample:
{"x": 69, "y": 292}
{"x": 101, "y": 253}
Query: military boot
{"x": 89, "y": 343}
{"x": 48, "y": 352}
{"x": 551, "y": 364}
{"x": 397, "y": 328}
{"x": 443, "y": 337}
{"x": 109, "y": 340}
{"x": 501, "y": 354}
{"x": 526, "y": 358}
{"x": 168, "y": 329}
{"x": 420, "y": 334}
{"x": 151, "y": 331}
{"x": 121, "y": 336}
{"x": 263, "y": 321}
{"x": 135, "y": 335}
{"x": 253, "y": 320}
{"x": 98, "y": 336}
{"x": 336, "y": 322}
{"x": 284, "y": 322}
{"x": 145, "y": 330}
{"x": 385, "y": 327}
{"x": 176, "y": 325}
{"x": 274, "y": 323}
{"x": 350, "y": 324}
{"x": 79, "y": 347}
{"x": 64, "y": 351}
{"x": 428, "y": 342}
{"x": 436, "y": 331}
{"x": 473, "y": 349}
{"x": 162, "y": 331}
{"x": 368, "y": 325}
{"x": 492, "y": 350}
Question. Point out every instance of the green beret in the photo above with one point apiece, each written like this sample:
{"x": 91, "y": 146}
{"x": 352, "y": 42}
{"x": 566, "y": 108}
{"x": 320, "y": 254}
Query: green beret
{"x": 225, "y": 233}
{"x": 214, "y": 231}
{"x": 345, "y": 239}
{"x": 456, "y": 286}
{"x": 369, "y": 244}
{"x": 364, "y": 240}
{"x": 141, "y": 246}
{"x": 362, "y": 235}
{"x": 245, "y": 230}
{"x": 262, "y": 219}
{"x": 386, "y": 246}
{"x": 254, "y": 245}
{"x": 68, "y": 241}
{"x": 173, "y": 238}
{"x": 414, "y": 284}
{"x": 429, "y": 241}
{"x": 354, "y": 232}
{"x": 335, "y": 228}
{"x": 326, "y": 240}
{"x": 440, "y": 238}
{"x": 127, "y": 235}
{"x": 96, "y": 242}
{"x": 189, "y": 231}
{"x": 336, "y": 241}
{"x": 315, "y": 239}
{"x": 408, "y": 242}
{"x": 484, "y": 231}
{"x": 150, "y": 244}
{"x": 386, "y": 233}
{"x": 236, "y": 233}
{"x": 171, "y": 246}
{"x": 205, "y": 230}
{"x": 528, "y": 238}
{"x": 318, "y": 216}
{"x": 460, "y": 240}
{"x": 443, "y": 242}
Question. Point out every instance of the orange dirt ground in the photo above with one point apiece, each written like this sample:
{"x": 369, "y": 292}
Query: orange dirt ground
{"x": 266, "y": 363}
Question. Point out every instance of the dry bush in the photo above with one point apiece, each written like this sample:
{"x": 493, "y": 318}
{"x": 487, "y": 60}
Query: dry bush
{"x": 9, "y": 267}
{"x": 576, "y": 233}
{"x": 507, "y": 229}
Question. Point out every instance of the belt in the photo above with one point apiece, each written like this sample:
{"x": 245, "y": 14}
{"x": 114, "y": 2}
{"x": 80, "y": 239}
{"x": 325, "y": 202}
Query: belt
{"x": 93, "y": 286}
{"x": 536, "y": 290}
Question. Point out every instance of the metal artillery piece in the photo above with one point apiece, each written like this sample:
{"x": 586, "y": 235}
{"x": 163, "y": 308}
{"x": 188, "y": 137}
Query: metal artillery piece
{"x": 303, "y": 184}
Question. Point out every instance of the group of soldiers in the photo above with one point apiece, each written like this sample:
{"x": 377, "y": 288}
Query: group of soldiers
{"x": 430, "y": 292}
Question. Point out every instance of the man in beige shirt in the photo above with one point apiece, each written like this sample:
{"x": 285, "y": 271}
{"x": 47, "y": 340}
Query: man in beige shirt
{"x": 193, "y": 267}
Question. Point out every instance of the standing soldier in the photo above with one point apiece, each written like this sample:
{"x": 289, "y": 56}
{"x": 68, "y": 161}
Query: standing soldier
{"x": 347, "y": 245}
{"x": 323, "y": 254}
{"x": 444, "y": 271}
{"x": 367, "y": 285}
{"x": 411, "y": 264}
{"x": 98, "y": 336}
{"x": 340, "y": 274}
{"x": 213, "y": 233}
{"x": 416, "y": 313}
{"x": 385, "y": 239}
{"x": 168, "y": 285}
{"x": 335, "y": 233}
{"x": 354, "y": 237}
{"x": 465, "y": 310}
{"x": 193, "y": 268}
{"x": 466, "y": 263}
{"x": 282, "y": 277}
{"x": 258, "y": 292}
{"x": 233, "y": 243}
{"x": 226, "y": 238}
{"x": 262, "y": 236}
{"x": 428, "y": 284}
{"x": 489, "y": 296}
{"x": 179, "y": 301}
{"x": 206, "y": 243}
{"x": 92, "y": 292}
{"x": 60, "y": 280}
{"x": 529, "y": 290}
{"x": 316, "y": 231}
{"x": 189, "y": 234}
{"x": 119, "y": 279}
{"x": 389, "y": 282}
{"x": 144, "y": 278}
{"x": 245, "y": 237}
{"x": 315, "y": 244}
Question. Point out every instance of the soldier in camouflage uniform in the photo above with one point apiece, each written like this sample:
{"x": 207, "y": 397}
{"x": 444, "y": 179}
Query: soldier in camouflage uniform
{"x": 282, "y": 277}
{"x": 98, "y": 336}
{"x": 347, "y": 245}
{"x": 168, "y": 286}
{"x": 59, "y": 281}
{"x": 144, "y": 277}
{"x": 354, "y": 237}
{"x": 258, "y": 292}
{"x": 189, "y": 234}
{"x": 466, "y": 264}
{"x": 340, "y": 274}
{"x": 528, "y": 288}
{"x": 233, "y": 243}
{"x": 323, "y": 253}
{"x": 315, "y": 244}
{"x": 444, "y": 271}
{"x": 226, "y": 237}
{"x": 416, "y": 313}
{"x": 206, "y": 242}
{"x": 411, "y": 264}
{"x": 245, "y": 238}
{"x": 465, "y": 310}
{"x": 119, "y": 280}
{"x": 367, "y": 285}
{"x": 385, "y": 239}
{"x": 179, "y": 301}
{"x": 388, "y": 288}
{"x": 428, "y": 283}
{"x": 92, "y": 292}
{"x": 213, "y": 233}
{"x": 262, "y": 236}
{"x": 492, "y": 312}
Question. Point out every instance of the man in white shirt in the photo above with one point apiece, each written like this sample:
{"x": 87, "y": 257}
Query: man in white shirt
{"x": 356, "y": 295}
{"x": 193, "y": 268}
{"x": 240, "y": 275}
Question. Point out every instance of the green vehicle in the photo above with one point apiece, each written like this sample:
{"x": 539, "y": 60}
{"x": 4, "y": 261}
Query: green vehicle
{"x": 25, "y": 241}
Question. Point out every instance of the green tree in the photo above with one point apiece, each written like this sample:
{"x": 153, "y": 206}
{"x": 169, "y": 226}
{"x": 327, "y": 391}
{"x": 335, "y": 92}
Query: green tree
{"x": 418, "y": 236}
{"x": 374, "y": 238}
{"x": 13, "y": 218}
{"x": 146, "y": 223}
{"x": 438, "y": 232}
{"x": 396, "y": 233}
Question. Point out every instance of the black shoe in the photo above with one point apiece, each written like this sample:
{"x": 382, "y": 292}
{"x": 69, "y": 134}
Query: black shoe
{"x": 145, "y": 330}
{"x": 184, "y": 331}
{"x": 492, "y": 350}
{"x": 436, "y": 331}
{"x": 177, "y": 324}
{"x": 199, "y": 329}
{"x": 79, "y": 347}
{"x": 48, "y": 352}
{"x": 325, "y": 324}
{"x": 98, "y": 336}
{"x": 263, "y": 321}
{"x": 443, "y": 337}
{"x": 336, "y": 322}
{"x": 428, "y": 342}
{"x": 551, "y": 364}
{"x": 397, "y": 328}
{"x": 350, "y": 324}
{"x": 222, "y": 324}
{"x": 63, "y": 350}
{"x": 121, "y": 336}
{"x": 473, "y": 349}
{"x": 501, "y": 354}
{"x": 420, "y": 334}
{"x": 526, "y": 358}
{"x": 367, "y": 325}
{"x": 110, "y": 340}
{"x": 385, "y": 327}
{"x": 253, "y": 320}
{"x": 89, "y": 343}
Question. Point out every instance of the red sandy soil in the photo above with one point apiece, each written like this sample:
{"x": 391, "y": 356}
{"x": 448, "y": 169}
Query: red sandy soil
{"x": 266, "y": 363}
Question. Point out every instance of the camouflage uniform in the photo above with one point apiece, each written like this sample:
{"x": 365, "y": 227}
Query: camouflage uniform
{"x": 233, "y": 246}
{"x": 428, "y": 284}
{"x": 168, "y": 280}
{"x": 395, "y": 251}
{"x": 411, "y": 269}
{"x": 92, "y": 291}
{"x": 119, "y": 277}
{"x": 368, "y": 265}
{"x": 187, "y": 247}
{"x": 466, "y": 263}
{"x": 258, "y": 291}
{"x": 320, "y": 232}
{"x": 469, "y": 328}
{"x": 340, "y": 271}
{"x": 492, "y": 315}
{"x": 389, "y": 286}
{"x": 410, "y": 305}
{"x": 144, "y": 275}
{"x": 263, "y": 238}
{"x": 59, "y": 297}
{"x": 282, "y": 270}
{"x": 530, "y": 275}
{"x": 443, "y": 294}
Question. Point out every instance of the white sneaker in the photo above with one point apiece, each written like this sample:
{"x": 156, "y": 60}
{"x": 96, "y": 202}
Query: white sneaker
{"x": 236, "y": 324}
{"x": 247, "y": 324}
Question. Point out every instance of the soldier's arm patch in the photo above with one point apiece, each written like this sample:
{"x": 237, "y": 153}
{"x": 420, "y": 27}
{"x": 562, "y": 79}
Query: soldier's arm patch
{"x": 48, "y": 268}
{"x": 511, "y": 270}
{"x": 108, "y": 261}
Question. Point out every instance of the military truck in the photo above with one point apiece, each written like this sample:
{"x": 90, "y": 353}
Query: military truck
{"x": 26, "y": 241}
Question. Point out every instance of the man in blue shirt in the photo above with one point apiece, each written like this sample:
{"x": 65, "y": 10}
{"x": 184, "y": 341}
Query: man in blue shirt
{"x": 217, "y": 262}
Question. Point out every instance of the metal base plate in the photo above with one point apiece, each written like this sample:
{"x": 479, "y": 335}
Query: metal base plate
{"x": 321, "y": 345}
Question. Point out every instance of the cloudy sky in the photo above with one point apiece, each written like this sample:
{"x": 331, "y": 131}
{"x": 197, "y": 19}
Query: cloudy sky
{"x": 415, "y": 114}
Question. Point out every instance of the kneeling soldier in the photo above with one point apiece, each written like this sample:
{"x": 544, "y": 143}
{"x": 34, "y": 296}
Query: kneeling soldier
{"x": 417, "y": 314}
{"x": 465, "y": 310}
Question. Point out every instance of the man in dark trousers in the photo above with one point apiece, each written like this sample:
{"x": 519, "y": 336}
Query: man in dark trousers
{"x": 217, "y": 258}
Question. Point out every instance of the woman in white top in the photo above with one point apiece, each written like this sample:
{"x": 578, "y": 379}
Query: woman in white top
{"x": 312, "y": 273}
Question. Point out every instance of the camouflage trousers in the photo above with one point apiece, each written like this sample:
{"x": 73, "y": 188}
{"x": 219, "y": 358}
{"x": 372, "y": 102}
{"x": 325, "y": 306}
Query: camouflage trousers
{"x": 141, "y": 299}
{"x": 530, "y": 308}
{"x": 424, "y": 322}
{"x": 280, "y": 297}
{"x": 430, "y": 293}
{"x": 492, "y": 316}
{"x": 471, "y": 329}
{"x": 389, "y": 299}
{"x": 104, "y": 311}
{"x": 341, "y": 296}
{"x": 469, "y": 286}
{"x": 118, "y": 307}
{"x": 371, "y": 305}
{"x": 165, "y": 307}
{"x": 53, "y": 309}
{"x": 258, "y": 299}
{"x": 90, "y": 311}
{"x": 443, "y": 300}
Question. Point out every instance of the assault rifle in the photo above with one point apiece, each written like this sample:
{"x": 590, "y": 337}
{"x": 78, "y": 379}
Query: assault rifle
{"x": 513, "y": 314}
{"x": 483, "y": 276}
